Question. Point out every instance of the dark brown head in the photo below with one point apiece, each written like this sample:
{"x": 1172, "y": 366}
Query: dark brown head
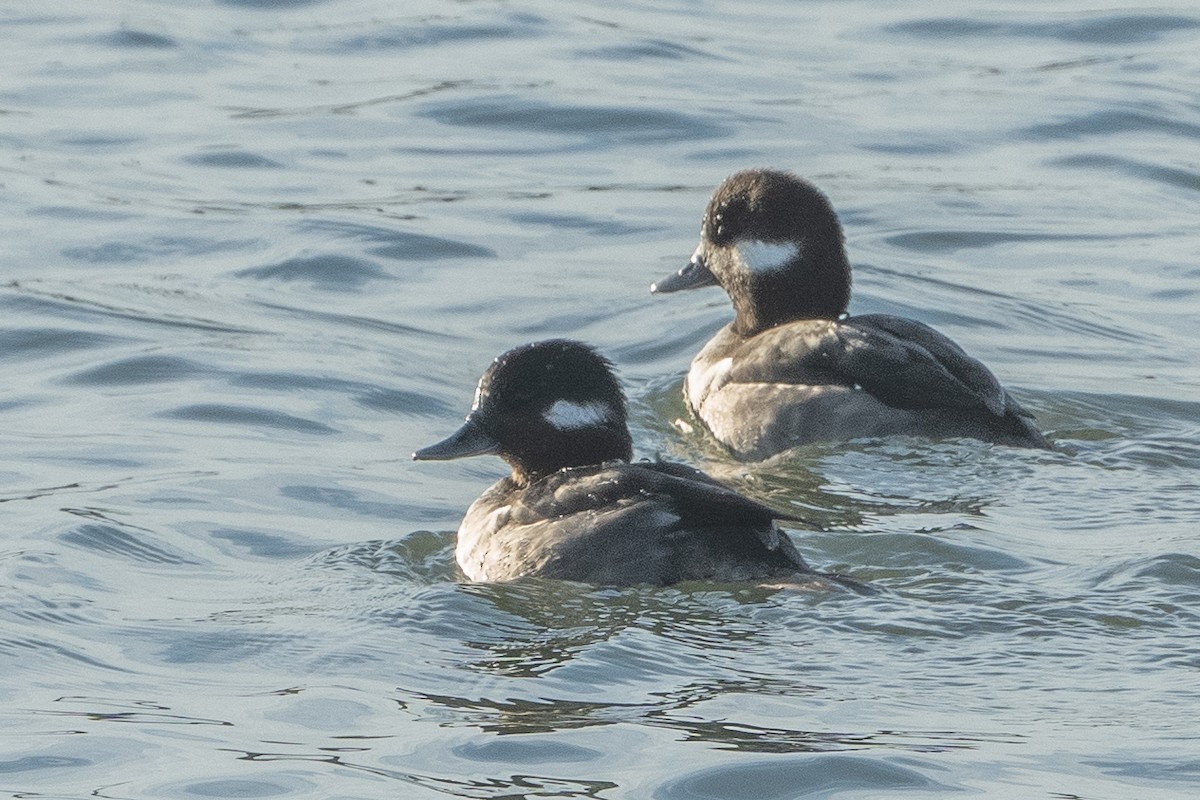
{"x": 773, "y": 242}
{"x": 542, "y": 407}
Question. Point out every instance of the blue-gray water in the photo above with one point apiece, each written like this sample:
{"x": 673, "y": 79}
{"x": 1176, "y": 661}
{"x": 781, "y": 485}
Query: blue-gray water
{"x": 255, "y": 252}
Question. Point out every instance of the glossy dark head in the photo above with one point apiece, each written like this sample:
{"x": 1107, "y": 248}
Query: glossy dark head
{"x": 773, "y": 242}
{"x": 542, "y": 407}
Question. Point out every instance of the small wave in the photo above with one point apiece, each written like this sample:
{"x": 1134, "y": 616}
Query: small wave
{"x": 401, "y": 245}
{"x": 278, "y": 5}
{"x": 248, "y": 416}
{"x": 121, "y": 542}
{"x": 431, "y": 32}
{"x": 601, "y": 125}
{"x": 129, "y": 38}
{"x": 423, "y": 557}
{"x": 799, "y": 777}
{"x": 645, "y": 50}
{"x": 322, "y": 271}
{"x": 140, "y": 370}
{"x": 20, "y": 344}
{"x": 368, "y": 395}
{"x": 233, "y": 159}
{"x": 1096, "y": 29}
{"x": 1174, "y": 177}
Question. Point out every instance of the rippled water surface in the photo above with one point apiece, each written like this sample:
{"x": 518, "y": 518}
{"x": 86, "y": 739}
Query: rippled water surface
{"x": 257, "y": 251}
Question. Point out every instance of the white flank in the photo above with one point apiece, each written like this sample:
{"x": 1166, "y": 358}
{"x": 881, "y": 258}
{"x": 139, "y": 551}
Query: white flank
{"x": 703, "y": 382}
{"x": 767, "y": 256}
{"x": 566, "y": 415}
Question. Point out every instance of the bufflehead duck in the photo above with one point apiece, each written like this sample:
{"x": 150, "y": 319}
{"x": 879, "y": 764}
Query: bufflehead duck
{"x": 792, "y": 368}
{"x": 574, "y": 508}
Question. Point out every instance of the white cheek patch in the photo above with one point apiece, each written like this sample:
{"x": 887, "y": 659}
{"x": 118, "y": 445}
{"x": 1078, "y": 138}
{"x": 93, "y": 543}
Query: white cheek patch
{"x": 761, "y": 256}
{"x": 567, "y": 415}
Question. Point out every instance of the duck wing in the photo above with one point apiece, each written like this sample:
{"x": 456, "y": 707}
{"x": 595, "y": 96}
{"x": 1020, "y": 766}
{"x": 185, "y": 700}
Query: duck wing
{"x": 903, "y": 363}
{"x": 696, "y": 500}
{"x": 908, "y": 364}
{"x": 933, "y": 361}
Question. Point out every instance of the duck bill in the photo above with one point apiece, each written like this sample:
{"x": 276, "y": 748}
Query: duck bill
{"x": 469, "y": 440}
{"x": 694, "y": 275}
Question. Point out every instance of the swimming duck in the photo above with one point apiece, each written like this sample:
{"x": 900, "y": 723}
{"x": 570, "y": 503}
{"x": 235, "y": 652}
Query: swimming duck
{"x": 792, "y": 368}
{"x": 575, "y": 508}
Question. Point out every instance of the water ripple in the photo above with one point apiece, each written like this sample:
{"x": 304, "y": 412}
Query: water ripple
{"x": 281, "y": 5}
{"x": 368, "y": 395}
{"x": 233, "y": 159}
{"x": 137, "y": 40}
{"x": 401, "y": 245}
{"x": 1157, "y": 119}
{"x": 435, "y": 33}
{"x": 1108, "y": 29}
{"x": 599, "y": 125}
{"x": 121, "y": 541}
{"x": 24, "y": 343}
{"x": 69, "y": 305}
{"x": 348, "y": 500}
{"x": 154, "y": 248}
{"x": 140, "y": 370}
{"x": 796, "y": 777}
{"x": 248, "y": 416}
{"x": 336, "y": 272}
{"x": 1175, "y": 177}
{"x": 949, "y": 241}
{"x": 645, "y": 49}
{"x": 422, "y": 557}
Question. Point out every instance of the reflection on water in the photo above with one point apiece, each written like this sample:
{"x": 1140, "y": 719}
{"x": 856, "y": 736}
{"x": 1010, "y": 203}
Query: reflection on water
{"x": 253, "y": 257}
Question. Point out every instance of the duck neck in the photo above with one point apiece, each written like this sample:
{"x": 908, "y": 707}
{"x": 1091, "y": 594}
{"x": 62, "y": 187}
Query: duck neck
{"x": 820, "y": 289}
{"x": 581, "y": 448}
